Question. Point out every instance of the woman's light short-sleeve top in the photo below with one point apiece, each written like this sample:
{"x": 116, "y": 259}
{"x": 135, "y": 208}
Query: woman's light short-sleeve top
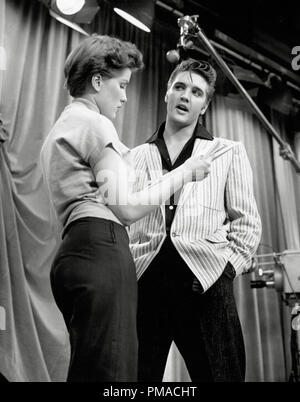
{"x": 70, "y": 156}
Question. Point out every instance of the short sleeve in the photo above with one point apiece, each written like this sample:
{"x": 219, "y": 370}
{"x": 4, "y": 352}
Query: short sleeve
{"x": 103, "y": 134}
{"x": 92, "y": 134}
{"x": 86, "y": 136}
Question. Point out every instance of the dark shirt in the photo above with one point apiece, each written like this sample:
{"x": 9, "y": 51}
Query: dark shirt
{"x": 158, "y": 140}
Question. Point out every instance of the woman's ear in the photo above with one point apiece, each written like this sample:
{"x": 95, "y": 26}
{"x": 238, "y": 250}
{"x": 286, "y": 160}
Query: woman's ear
{"x": 166, "y": 97}
{"x": 96, "y": 82}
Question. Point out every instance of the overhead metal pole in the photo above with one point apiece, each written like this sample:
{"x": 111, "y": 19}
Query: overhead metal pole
{"x": 188, "y": 28}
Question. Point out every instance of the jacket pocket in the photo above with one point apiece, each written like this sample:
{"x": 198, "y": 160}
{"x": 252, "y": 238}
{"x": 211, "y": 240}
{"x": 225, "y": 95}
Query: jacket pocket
{"x": 219, "y": 236}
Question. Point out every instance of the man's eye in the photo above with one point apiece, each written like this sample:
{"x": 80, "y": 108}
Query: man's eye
{"x": 197, "y": 93}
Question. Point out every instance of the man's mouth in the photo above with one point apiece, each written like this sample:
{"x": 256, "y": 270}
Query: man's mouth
{"x": 182, "y": 107}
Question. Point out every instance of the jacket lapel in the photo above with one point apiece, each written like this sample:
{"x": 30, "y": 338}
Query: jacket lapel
{"x": 201, "y": 147}
{"x": 153, "y": 159}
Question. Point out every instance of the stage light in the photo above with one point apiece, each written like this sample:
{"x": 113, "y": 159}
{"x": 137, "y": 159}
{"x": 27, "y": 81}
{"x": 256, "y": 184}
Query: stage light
{"x": 138, "y": 12}
{"x": 70, "y": 24}
{"x": 69, "y": 7}
{"x": 62, "y": 10}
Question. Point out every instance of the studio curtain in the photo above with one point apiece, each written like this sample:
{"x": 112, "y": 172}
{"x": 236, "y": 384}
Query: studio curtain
{"x": 33, "y": 346}
{"x": 34, "y": 342}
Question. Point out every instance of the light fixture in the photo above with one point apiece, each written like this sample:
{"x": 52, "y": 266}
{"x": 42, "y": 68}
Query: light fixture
{"x": 69, "y": 7}
{"x": 84, "y": 12}
{"x": 70, "y": 24}
{"x": 138, "y": 12}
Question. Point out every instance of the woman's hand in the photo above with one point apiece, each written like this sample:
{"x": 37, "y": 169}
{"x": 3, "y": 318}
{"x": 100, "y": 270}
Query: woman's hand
{"x": 196, "y": 168}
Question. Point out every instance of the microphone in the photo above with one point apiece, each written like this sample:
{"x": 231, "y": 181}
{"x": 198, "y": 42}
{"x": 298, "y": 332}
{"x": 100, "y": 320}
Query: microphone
{"x": 180, "y": 53}
{"x": 174, "y": 55}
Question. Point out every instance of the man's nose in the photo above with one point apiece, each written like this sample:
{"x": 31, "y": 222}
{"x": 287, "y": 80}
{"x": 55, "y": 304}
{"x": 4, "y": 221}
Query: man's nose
{"x": 124, "y": 98}
{"x": 185, "y": 95}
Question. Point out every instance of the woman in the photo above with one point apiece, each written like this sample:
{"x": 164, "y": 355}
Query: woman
{"x": 87, "y": 171}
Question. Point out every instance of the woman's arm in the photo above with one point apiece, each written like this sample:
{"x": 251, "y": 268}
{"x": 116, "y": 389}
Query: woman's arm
{"x": 115, "y": 184}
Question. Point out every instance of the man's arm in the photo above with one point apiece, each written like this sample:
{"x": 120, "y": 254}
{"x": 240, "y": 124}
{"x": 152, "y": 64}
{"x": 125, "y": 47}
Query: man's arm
{"x": 245, "y": 223}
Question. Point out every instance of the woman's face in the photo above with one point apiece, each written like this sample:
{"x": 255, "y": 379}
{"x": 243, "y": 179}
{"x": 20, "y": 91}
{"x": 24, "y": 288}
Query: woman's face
{"x": 112, "y": 93}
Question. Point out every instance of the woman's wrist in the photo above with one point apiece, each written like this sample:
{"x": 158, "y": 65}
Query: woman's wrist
{"x": 186, "y": 173}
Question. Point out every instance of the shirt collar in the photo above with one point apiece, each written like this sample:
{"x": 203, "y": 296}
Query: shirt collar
{"x": 88, "y": 103}
{"x": 199, "y": 132}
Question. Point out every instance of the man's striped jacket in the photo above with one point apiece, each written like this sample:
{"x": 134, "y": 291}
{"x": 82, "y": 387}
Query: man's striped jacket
{"x": 216, "y": 219}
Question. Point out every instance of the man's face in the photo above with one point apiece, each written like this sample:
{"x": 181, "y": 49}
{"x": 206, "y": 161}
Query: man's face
{"x": 186, "y": 98}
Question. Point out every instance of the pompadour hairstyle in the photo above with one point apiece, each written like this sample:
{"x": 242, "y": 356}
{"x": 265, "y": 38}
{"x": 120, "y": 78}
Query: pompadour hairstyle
{"x": 198, "y": 67}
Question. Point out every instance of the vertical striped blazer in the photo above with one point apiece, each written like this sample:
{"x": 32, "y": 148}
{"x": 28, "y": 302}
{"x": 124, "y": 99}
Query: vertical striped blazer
{"x": 216, "y": 219}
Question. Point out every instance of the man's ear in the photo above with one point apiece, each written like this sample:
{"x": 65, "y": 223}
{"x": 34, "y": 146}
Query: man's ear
{"x": 96, "y": 82}
{"x": 203, "y": 110}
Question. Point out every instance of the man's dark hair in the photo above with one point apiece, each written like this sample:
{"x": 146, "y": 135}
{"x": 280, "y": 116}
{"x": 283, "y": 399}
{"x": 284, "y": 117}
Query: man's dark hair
{"x": 199, "y": 67}
{"x": 99, "y": 54}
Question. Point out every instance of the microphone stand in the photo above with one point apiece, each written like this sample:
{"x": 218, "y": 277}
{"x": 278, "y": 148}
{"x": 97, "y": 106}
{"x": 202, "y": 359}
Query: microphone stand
{"x": 284, "y": 278}
{"x": 189, "y": 27}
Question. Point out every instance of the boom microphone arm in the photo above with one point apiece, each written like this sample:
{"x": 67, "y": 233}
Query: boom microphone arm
{"x": 189, "y": 27}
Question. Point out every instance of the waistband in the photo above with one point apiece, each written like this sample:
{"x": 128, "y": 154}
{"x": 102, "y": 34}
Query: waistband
{"x": 93, "y": 219}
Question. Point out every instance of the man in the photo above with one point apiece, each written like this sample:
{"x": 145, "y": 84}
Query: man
{"x": 188, "y": 252}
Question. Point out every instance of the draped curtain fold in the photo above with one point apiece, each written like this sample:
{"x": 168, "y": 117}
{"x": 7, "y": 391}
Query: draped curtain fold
{"x": 34, "y": 343}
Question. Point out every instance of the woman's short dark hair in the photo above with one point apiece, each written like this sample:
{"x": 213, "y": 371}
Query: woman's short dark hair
{"x": 199, "y": 67}
{"x": 99, "y": 54}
